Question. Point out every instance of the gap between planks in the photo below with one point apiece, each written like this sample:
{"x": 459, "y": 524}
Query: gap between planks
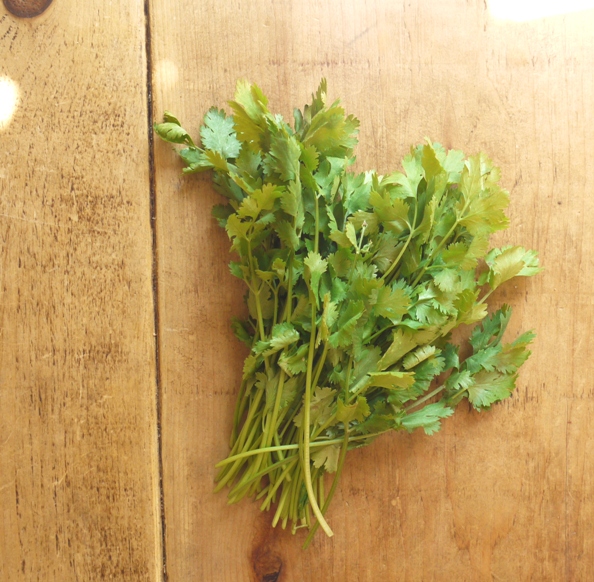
{"x": 162, "y": 554}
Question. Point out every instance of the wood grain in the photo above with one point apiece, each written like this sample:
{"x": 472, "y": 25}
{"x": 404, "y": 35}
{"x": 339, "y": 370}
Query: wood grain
{"x": 504, "y": 495}
{"x": 78, "y": 436}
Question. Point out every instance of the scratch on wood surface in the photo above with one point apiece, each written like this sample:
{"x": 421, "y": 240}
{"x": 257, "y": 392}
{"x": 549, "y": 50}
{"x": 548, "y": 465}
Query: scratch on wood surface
{"x": 7, "y": 438}
{"x": 30, "y": 220}
{"x": 74, "y": 220}
{"x": 361, "y": 35}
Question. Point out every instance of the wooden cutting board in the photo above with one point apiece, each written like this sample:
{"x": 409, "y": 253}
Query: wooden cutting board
{"x": 118, "y": 368}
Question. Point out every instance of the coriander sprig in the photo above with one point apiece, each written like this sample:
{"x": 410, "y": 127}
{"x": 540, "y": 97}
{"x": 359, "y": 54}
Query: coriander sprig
{"x": 355, "y": 282}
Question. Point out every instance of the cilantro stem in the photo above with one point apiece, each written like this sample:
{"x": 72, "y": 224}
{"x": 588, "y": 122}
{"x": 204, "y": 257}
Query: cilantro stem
{"x": 248, "y": 421}
{"x": 271, "y": 427}
{"x": 307, "y": 400}
{"x": 281, "y": 504}
{"x": 306, "y": 418}
{"x": 402, "y": 250}
{"x": 257, "y": 296}
{"x": 274, "y": 488}
{"x": 275, "y": 293}
{"x": 321, "y": 491}
{"x": 240, "y": 403}
{"x": 240, "y": 409}
{"x": 236, "y": 493}
{"x": 425, "y": 398}
{"x": 295, "y": 446}
{"x": 228, "y": 473}
{"x": 320, "y": 364}
{"x": 379, "y": 332}
{"x": 277, "y": 443}
{"x": 363, "y": 228}
{"x": 260, "y": 318}
{"x": 486, "y": 296}
{"x": 289, "y": 425}
{"x": 263, "y": 492}
{"x": 245, "y": 440}
{"x": 295, "y": 488}
{"x": 341, "y": 458}
{"x": 317, "y": 223}
{"x": 401, "y": 253}
{"x": 441, "y": 244}
{"x": 289, "y": 298}
{"x": 238, "y": 412}
{"x": 335, "y": 480}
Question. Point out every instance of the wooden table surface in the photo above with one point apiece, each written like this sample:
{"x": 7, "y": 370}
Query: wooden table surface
{"x": 118, "y": 368}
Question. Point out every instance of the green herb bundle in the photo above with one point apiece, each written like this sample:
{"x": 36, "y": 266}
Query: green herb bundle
{"x": 354, "y": 285}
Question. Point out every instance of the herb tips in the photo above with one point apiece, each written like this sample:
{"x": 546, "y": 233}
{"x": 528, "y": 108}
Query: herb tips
{"x": 355, "y": 282}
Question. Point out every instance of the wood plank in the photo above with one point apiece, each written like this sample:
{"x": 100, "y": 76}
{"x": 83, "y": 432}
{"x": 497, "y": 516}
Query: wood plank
{"x": 78, "y": 433}
{"x": 503, "y": 495}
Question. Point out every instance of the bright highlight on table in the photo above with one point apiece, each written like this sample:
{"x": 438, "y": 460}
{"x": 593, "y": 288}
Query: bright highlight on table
{"x": 9, "y": 96}
{"x": 524, "y": 10}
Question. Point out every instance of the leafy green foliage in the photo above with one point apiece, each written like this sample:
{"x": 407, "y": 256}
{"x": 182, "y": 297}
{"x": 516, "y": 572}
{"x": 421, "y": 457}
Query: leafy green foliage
{"x": 355, "y": 282}
{"x": 509, "y": 262}
{"x": 218, "y": 134}
{"x": 427, "y": 418}
{"x": 170, "y": 130}
{"x": 281, "y": 336}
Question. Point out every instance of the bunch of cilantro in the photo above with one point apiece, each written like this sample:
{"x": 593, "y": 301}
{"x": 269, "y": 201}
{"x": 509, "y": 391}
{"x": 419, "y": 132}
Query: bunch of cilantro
{"x": 354, "y": 285}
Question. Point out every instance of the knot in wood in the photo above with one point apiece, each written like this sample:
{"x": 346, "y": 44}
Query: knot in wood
{"x": 27, "y": 8}
{"x": 267, "y": 564}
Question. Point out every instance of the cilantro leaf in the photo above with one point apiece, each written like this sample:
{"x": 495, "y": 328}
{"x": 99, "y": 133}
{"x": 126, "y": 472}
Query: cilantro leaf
{"x": 283, "y": 156}
{"x": 316, "y": 267}
{"x": 427, "y": 418}
{"x": 172, "y": 132}
{"x": 218, "y": 134}
{"x": 327, "y": 457}
{"x": 321, "y": 407}
{"x": 510, "y": 262}
{"x": 359, "y": 410}
{"x": 393, "y": 380}
{"x": 282, "y": 335}
{"x": 492, "y": 329}
{"x": 331, "y": 132}
{"x": 419, "y": 355}
{"x": 392, "y": 303}
{"x": 402, "y": 343}
{"x": 513, "y": 355}
{"x": 490, "y": 387}
{"x": 295, "y": 361}
{"x": 346, "y": 324}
